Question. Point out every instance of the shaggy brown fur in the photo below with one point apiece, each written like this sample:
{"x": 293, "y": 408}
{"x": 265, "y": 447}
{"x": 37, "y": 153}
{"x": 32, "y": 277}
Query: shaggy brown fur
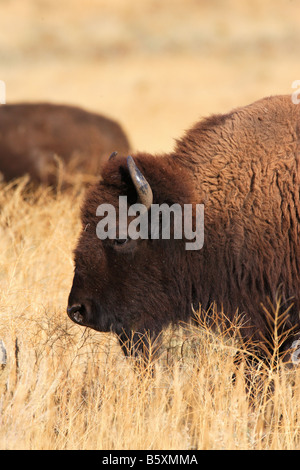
{"x": 32, "y": 134}
{"x": 244, "y": 167}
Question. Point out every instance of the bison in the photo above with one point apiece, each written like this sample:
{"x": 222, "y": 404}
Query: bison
{"x": 32, "y": 136}
{"x": 244, "y": 167}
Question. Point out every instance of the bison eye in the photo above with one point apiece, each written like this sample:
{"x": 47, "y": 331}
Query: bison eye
{"x": 120, "y": 241}
{"x": 124, "y": 245}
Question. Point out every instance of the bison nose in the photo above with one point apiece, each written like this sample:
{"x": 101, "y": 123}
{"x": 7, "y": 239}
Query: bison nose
{"x": 76, "y": 313}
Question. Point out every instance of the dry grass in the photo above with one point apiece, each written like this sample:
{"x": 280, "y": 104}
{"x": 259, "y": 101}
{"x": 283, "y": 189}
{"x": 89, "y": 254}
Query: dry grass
{"x": 156, "y": 67}
{"x": 69, "y": 388}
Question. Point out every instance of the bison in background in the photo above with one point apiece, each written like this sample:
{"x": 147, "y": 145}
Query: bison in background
{"x": 244, "y": 167}
{"x": 35, "y": 138}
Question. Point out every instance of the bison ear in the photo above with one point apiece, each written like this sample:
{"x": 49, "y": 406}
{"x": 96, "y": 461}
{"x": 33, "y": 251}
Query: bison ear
{"x": 143, "y": 188}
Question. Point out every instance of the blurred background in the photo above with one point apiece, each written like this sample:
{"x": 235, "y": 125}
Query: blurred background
{"x": 155, "y": 66}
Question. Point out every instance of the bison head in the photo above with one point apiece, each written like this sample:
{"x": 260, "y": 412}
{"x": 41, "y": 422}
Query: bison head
{"x": 127, "y": 285}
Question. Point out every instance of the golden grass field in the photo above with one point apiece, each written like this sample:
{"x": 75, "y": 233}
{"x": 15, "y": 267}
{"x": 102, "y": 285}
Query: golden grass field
{"x": 156, "y": 67}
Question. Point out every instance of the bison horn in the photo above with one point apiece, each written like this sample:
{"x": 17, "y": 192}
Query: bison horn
{"x": 143, "y": 188}
{"x": 113, "y": 155}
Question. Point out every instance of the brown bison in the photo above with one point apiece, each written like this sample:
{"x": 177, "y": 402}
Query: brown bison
{"x": 244, "y": 167}
{"x": 32, "y": 136}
